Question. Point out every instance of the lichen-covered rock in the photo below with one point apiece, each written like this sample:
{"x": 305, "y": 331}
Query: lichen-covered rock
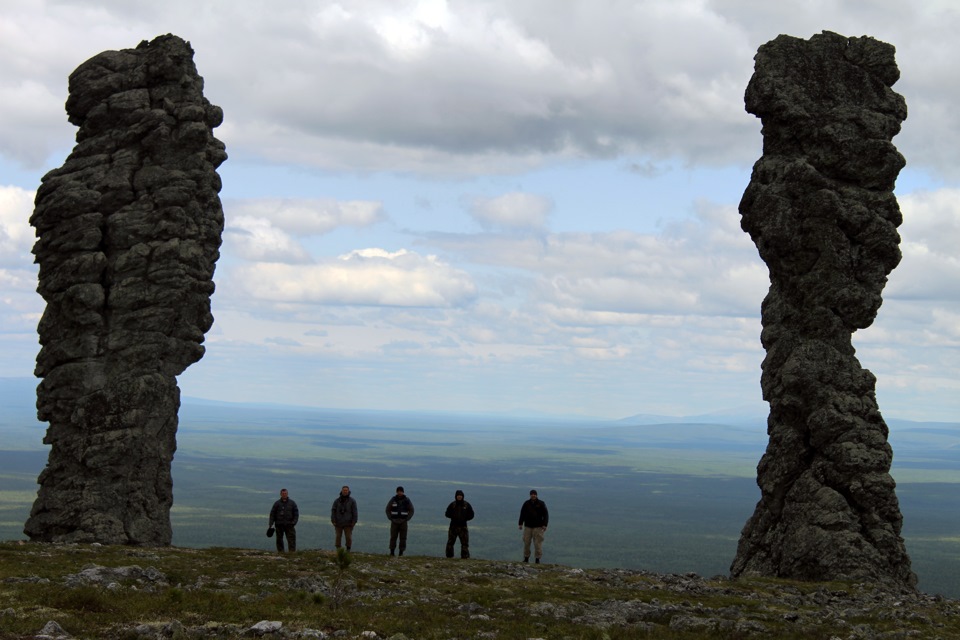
{"x": 820, "y": 208}
{"x": 128, "y": 234}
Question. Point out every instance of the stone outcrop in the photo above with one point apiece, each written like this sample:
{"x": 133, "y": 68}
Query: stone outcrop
{"x": 128, "y": 234}
{"x": 820, "y": 208}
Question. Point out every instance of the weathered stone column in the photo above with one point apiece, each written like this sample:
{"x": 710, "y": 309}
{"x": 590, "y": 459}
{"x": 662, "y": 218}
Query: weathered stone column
{"x": 820, "y": 208}
{"x": 128, "y": 233}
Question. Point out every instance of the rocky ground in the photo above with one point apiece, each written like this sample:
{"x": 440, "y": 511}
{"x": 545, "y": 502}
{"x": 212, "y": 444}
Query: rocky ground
{"x": 89, "y": 591}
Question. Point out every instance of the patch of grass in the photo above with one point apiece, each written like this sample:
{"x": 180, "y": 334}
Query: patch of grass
{"x": 225, "y": 591}
{"x": 81, "y": 600}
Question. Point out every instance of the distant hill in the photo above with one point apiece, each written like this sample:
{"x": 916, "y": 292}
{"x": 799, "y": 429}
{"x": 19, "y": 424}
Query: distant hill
{"x": 18, "y": 396}
{"x": 743, "y": 416}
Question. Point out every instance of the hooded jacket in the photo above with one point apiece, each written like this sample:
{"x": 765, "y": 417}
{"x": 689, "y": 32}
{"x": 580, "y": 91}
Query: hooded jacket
{"x": 459, "y": 512}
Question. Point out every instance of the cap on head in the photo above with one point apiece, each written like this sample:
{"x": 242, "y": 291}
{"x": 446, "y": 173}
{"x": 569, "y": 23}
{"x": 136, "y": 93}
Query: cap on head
{"x": 399, "y": 489}
{"x": 458, "y": 493}
{"x": 533, "y": 492}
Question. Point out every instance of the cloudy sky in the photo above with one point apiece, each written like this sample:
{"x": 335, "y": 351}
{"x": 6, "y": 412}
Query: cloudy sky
{"x": 496, "y": 205}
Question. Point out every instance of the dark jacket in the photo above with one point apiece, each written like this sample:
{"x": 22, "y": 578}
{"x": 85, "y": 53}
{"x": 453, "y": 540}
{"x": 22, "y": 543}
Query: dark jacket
{"x": 459, "y": 512}
{"x": 284, "y": 513}
{"x": 534, "y": 514}
{"x": 344, "y": 511}
{"x": 399, "y": 509}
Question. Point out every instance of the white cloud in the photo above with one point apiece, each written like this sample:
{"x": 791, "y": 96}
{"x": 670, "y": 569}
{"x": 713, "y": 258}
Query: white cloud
{"x": 365, "y": 277}
{"x": 704, "y": 266}
{"x": 269, "y": 229}
{"x": 16, "y": 234}
{"x": 490, "y": 81}
{"x": 308, "y": 216}
{"x": 611, "y": 318}
{"x": 20, "y": 306}
{"x": 33, "y": 122}
{"x": 520, "y": 211}
{"x": 930, "y": 235}
{"x": 629, "y": 295}
{"x": 41, "y": 44}
{"x": 441, "y": 87}
{"x": 257, "y": 240}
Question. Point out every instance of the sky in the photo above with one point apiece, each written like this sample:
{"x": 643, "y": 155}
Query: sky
{"x": 496, "y": 206}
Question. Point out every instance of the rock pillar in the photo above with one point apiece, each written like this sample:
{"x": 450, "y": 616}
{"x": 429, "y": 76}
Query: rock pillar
{"x": 820, "y": 208}
{"x": 128, "y": 234}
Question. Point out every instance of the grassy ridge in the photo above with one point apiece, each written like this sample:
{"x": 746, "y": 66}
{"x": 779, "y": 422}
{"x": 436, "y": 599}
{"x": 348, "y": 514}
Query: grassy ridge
{"x": 126, "y": 593}
{"x": 665, "y": 498}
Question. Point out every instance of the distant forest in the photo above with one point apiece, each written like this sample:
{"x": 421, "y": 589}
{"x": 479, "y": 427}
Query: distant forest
{"x": 667, "y": 497}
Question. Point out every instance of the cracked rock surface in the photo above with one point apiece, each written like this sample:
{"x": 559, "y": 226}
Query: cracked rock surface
{"x": 820, "y": 208}
{"x": 128, "y": 234}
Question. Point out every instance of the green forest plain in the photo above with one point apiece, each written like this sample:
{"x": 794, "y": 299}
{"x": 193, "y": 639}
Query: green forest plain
{"x": 669, "y": 495}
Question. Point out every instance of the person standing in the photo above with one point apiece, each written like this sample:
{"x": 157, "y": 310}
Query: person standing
{"x": 284, "y": 515}
{"x": 533, "y": 521}
{"x": 460, "y": 512}
{"x": 343, "y": 516}
{"x": 399, "y": 511}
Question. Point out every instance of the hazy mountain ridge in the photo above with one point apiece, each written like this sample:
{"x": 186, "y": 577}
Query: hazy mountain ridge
{"x": 18, "y": 396}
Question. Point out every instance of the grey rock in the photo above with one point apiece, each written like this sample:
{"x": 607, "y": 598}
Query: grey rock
{"x": 177, "y": 630}
{"x": 52, "y": 631}
{"x": 27, "y": 579}
{"x": 145, "y": 631}
{"x": 309, "y": 585}
{"x": 264, "y": 627}
{"x": 470, "y": 607}
{"x": 129, "y": 232}
{"x": 107, "y": 576}
{"x": 820, "y": 208}
{"x": 693, "y": 624}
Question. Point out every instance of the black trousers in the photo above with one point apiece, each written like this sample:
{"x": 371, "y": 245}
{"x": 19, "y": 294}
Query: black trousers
{"x": 290, "y": 531}
{"x": 464, "y": 536}
{"x": 398, "y": 530}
